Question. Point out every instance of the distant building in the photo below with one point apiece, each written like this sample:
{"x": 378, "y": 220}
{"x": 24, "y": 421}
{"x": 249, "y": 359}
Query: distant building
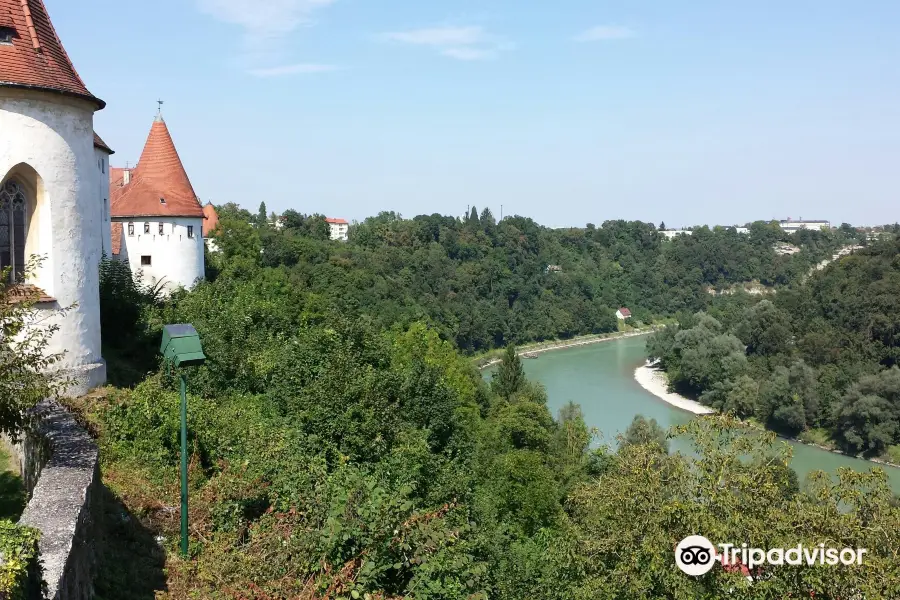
{"x": 791, "y": 226}
{"x": 672, "y": 233}
{"x": 158, "y": 222}
{"x": 339, "y": 228}
{"x": 553, "y": 269}
{"x": 623, "y": 313}
{"x": 210, "y": 222}
{"x": 743, "y": 230}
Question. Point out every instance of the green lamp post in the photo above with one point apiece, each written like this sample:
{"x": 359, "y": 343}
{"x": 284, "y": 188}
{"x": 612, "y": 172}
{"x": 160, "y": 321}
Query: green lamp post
{"x": 181, "y": 345}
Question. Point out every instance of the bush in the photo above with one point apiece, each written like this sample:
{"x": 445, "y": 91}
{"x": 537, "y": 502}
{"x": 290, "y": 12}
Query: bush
{"x": 19, "y": 568}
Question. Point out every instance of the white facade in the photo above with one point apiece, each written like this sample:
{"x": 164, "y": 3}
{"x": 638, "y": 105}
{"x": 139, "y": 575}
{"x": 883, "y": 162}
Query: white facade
{"x": 792, "y": 226}
{"x": 672, "y": 233}
{"x": 167, "y": 249}
{"x": 103, "y": 195}
{"x": 339, "y": 230}
{"x": 47, "y": 148}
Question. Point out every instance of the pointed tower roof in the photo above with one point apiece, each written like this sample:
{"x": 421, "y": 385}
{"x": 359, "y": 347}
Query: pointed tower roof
{"x": 159, "y": 185}
{"x": 36, "y": 58}
{"x": 210, "y": 219}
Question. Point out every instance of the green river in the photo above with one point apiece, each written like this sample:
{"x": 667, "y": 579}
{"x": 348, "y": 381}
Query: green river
{"x": 600, "y": 377}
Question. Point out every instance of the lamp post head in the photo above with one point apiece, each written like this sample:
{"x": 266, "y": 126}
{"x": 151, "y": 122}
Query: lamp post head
{"x": 181, "y": 345}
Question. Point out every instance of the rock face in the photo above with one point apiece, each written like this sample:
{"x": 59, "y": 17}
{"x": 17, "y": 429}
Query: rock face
{"x": 60, "y": 467}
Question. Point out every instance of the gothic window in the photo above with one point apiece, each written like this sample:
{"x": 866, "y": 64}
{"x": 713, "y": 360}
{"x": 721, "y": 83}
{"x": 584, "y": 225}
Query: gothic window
{"x": 131, "y": 229}
{"x": 12, "y": 228}
{"x": 160, "y": 229}
{"x": 146, "y": 227}
{"x": 190, "y": 231}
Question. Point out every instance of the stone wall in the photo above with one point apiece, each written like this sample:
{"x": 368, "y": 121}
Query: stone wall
{"x": 60, "y": 468}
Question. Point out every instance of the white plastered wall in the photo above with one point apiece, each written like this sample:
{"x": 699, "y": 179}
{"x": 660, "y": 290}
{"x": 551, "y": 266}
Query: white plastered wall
{"x": 47, "y": 143}
{"x": 175, "y": 258}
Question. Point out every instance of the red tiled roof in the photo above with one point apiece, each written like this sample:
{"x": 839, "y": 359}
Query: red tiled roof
{"x": 28, "y": 293}
{"x": 117, "y": 176}
{"x": 336, "y": 221}
{"x": 625, "y": 312}
{"x": 117, "y": 232}
{"x": 210, "y": 219}
{"x": 159, "y": 176}
{"x": 36, "y": 58}
{"x": 99, "y": 143}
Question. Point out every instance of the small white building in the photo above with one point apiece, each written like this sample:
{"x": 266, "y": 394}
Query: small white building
{"x": 339, "y": 228}
{"x": 157, "y": 219}
{"x": 623, "y": 313}
{"x": 54, "y": 187}
{"x": 791, "y": 226}
{"x": 672, "y": 233}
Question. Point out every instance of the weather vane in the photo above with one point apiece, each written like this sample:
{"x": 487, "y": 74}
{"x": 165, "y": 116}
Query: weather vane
{"x": 160, "y": 102}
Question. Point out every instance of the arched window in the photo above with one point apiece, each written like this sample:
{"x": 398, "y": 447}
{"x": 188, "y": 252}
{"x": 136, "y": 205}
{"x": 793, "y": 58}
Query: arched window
{"x": 12, "y": 228}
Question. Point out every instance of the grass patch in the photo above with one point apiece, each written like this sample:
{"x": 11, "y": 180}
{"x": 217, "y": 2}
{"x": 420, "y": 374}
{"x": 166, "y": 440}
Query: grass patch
{"x": 892, "y": 455}
{"x": 816, "y": 436}
{"x": 13, "y": 497}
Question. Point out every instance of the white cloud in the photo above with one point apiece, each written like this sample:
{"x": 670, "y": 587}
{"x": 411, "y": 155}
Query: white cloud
{"x": 461, "y": 43}
{"x": 604, "y": 32}
{"x": 463, "y": 53}
{"x": 439, "y": 36}
{"x": 266, "y": 24}
{"x": 302, "y": 68}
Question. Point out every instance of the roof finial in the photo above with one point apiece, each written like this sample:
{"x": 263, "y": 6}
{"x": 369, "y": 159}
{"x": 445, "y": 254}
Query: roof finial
{"x": 159, "y": 111}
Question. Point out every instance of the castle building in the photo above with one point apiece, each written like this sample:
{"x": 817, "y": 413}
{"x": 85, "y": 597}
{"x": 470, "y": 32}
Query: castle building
{"x": 54, "y": 187}
{"x": 157, "y": 219}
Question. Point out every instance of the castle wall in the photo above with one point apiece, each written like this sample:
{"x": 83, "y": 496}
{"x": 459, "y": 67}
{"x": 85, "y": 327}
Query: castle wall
{"x": 104, "y": 200}
{"x": 175, "y": 258}
{"x": 47, "y": 139}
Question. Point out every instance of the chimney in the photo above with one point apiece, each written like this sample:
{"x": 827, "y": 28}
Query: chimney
{"x": 126, "y": 177}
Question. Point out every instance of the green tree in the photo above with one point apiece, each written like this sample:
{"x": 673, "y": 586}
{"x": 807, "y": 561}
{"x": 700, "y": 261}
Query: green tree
{"x": 643, "y": 431}
{"x": 262, "y": 215}
{"x": 510, "y": 376}
{"x": 24, "y": 357}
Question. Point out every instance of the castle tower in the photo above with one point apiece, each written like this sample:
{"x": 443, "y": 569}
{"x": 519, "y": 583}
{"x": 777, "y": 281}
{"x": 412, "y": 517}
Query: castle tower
{"x": 157, "y": 218}
{"x": 54, "y": 189}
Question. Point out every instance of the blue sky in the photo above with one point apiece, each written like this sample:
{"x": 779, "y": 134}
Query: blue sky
{"x": 569, "y": 112}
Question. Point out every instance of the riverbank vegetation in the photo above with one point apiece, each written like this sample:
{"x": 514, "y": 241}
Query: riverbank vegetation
{"x": 820, "y": 360}
{"x": 343, "y": 445}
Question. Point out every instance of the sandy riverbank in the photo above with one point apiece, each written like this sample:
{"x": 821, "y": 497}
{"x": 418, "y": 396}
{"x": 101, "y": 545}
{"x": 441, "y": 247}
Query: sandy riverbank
{"x": 654, "y": 381}
{"x": 569, "y": 344}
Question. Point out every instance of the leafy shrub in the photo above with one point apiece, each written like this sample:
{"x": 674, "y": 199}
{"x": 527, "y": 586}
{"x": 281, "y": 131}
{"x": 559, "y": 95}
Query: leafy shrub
{"x": 19, "y": 570}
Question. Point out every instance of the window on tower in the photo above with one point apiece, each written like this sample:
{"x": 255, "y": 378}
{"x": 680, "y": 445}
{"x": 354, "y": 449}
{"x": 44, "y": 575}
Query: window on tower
{"x": 146, "y": 227}
{"x": 160, "y": 229}
{"x": 6, "y": 35}
{"x": 131, "y": 229}
{"x": 190, "y": 231}
{"x": 146, "y": 261}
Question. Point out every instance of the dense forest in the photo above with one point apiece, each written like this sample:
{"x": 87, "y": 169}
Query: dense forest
{"x": 343, "y": 445}
{"x": 483, "y": 284}
{"x": 820, "y": 359}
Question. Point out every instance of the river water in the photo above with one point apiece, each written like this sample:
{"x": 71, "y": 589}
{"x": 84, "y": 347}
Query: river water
{"x": 600, "y": 377}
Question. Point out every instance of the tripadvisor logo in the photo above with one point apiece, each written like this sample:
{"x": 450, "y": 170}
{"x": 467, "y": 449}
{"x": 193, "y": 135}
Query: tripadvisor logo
{"x": 696, "y": 555}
